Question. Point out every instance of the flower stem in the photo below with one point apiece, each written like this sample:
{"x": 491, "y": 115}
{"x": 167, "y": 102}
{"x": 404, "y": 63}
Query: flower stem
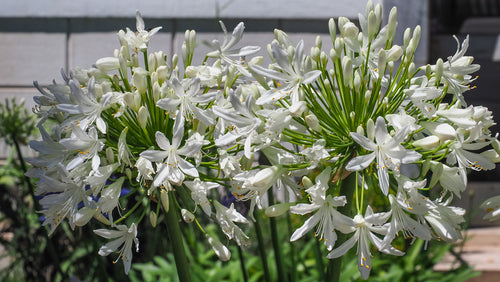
{"x": 176, "y": 240}
{"x": 262, "y": 250}
{"x": 242, "y": 264}
{"x": 276, "y": 242}
{"x": 347, "y": 188}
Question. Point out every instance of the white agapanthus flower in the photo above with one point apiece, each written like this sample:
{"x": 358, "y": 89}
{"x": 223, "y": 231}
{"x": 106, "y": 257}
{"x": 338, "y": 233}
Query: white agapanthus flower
{"x": 138, "y": 40}
{"x": 125, "y": 237}
{"x": 326, "y": 216}
{"x": 366, "y": 227}
{"x": 386, "y": 149}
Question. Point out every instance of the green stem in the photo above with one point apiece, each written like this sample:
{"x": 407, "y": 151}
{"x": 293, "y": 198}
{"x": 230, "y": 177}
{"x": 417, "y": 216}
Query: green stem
{"x": 276, "y": 242}
{"x": 347, "y": 188}
{"x": 262, "y": 250}
{"x": 242, "y": 264}
{"x": 176, "y": 240}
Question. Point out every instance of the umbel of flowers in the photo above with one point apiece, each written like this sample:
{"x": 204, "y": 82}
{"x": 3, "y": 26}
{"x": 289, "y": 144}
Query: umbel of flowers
{"x": 379, "y": 145}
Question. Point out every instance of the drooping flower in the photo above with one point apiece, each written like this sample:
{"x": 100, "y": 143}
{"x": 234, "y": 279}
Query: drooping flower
{"x": 124, "y": 237}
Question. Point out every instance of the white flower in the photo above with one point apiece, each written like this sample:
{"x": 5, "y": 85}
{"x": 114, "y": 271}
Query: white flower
{"x": 109, "y": 198}
{"x": 462, "y": 152}
{"x": 326, "y": 217}
{"x": 401, "y": 221}
{"x": 199, "y": 192}
{"x": 492, "y": 207}
{"x": 85, "y": 107}
{"x": 187, "y": 102}
{"x": 252, "y": 185}
{"x": 226, "y": 51}
{"x": 172, "y": 166}
{"x": 138, "y": 40}
{"x": 124, "y": 237}
{"x": 86, "y": 145}
{"x": 291, "y": 73}
{"x": 365, "y": 227}
{"x": 387, "y": 150}
{"x": 226, "y": 217}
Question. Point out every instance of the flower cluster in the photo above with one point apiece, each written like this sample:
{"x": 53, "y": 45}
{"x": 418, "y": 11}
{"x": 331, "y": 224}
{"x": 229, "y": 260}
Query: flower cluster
{"x": 388, "y": 144}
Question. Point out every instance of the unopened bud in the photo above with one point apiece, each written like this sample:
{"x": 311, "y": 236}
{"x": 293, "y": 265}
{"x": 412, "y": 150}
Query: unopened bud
{"x": 427, "y": 143}
{"x": 153, "y": 218}
{"x": 187, "y": 216}
{"x": 439, "y": 70}
{"x": 306, "y": 182}
{"x": 350, "y": 30}
{"x": 341, "y": 22}
{"x": 277, "y": 210}
{"x": 282, "y": 38}
{"x": 372, "y": 25}
{"x": 143, "y": 116}
{"x": 346, "y": 69}
{"x": 135, "y": 60}
{"x": 108, "y": 64}
{"x": 392, "y": 23}
{"x": 315, "y": 52}
{"x": 370, "y": 129}
{"x": 220, "y": 250}
{"x": 406, "y": 37}
{"x": 139, "y": 80}
{"x": 313, "y": 122}
{"x": 394, "y": 53}
{"x": 360, "y": 130}
{"x": 319, "y": 43}
{"x": 164, "y": 199}
{"x": 332, "y": 28}
{"x": 381, "y": 64}
{"x": 324, "y": 58}
{"x": 110, "y": 156}
{"x": 151, "y": 62}
{"x": 297, "y": 108}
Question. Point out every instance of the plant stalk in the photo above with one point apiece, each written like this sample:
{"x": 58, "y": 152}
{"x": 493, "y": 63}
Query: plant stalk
{"x": 276, "y": 242}
{"x": 176, "y": 240}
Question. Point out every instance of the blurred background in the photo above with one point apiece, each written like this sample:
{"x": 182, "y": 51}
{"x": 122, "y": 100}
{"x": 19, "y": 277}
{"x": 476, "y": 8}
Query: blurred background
{"x": 39, "y": 38}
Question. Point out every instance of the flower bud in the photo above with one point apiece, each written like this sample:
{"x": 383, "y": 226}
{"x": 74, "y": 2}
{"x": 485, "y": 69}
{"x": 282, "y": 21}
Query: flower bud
{"x": 347, "y": 69}
{"x": 394, "y": 53}
{"x": 151, "y": 62}
{"x": 110, "y": 156}
{"x": 439, "y": 70}
{"x": 406, "y": 37}
{"x": 162, "y": 72}
{"x": 164, "y": 199}
{"x": 372, "y": 25}
{"x": 492, "y": 155}
{"x": 417, "y": 32}
{"x": 220, "y": 250}
{"x": 332, "y": 28}
{"x": 370, "y": 129}
{"x": 392, "y": 23}
{"x": 315, "y": 53}
{"x": 277, "y": 210}
{"x": 139, "y": 80}
{"x": 368, "y": 95}
{"x": 153, "y": 218}
{"x": 282, "y": 38}
{"x": 339, "y": 45}
{"x": 495, "y": 144}
{"x": 83, "y": 216}
{"x": 306, "y": 182}
{"x": 411, "y": 68}
{"x": 324, "y": 58}
{"x": 381, "y": 63}
{"x": 187, "y": 216}
{"x": 350, "y": 30}
{"x": 297, "y": 108}
{"x": 369, "y": 7}
{"x": 290, "y": 52}
{"x": 135, "y": 60}
{"x": 175, "y": 60}
{"x": 128, "y": 98}
{"x": 427, "y": 143}
{"x": 333, "y": 55}
{"x": 108, "y": 64}
{"x": 313, "y": 122}
{"x": 266, "y": 177}
{"x": 341, "y": 22}
{"x": 143, "y": 116}
{"x": 390, "y": 66}
{"x": 360, "y": 130}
